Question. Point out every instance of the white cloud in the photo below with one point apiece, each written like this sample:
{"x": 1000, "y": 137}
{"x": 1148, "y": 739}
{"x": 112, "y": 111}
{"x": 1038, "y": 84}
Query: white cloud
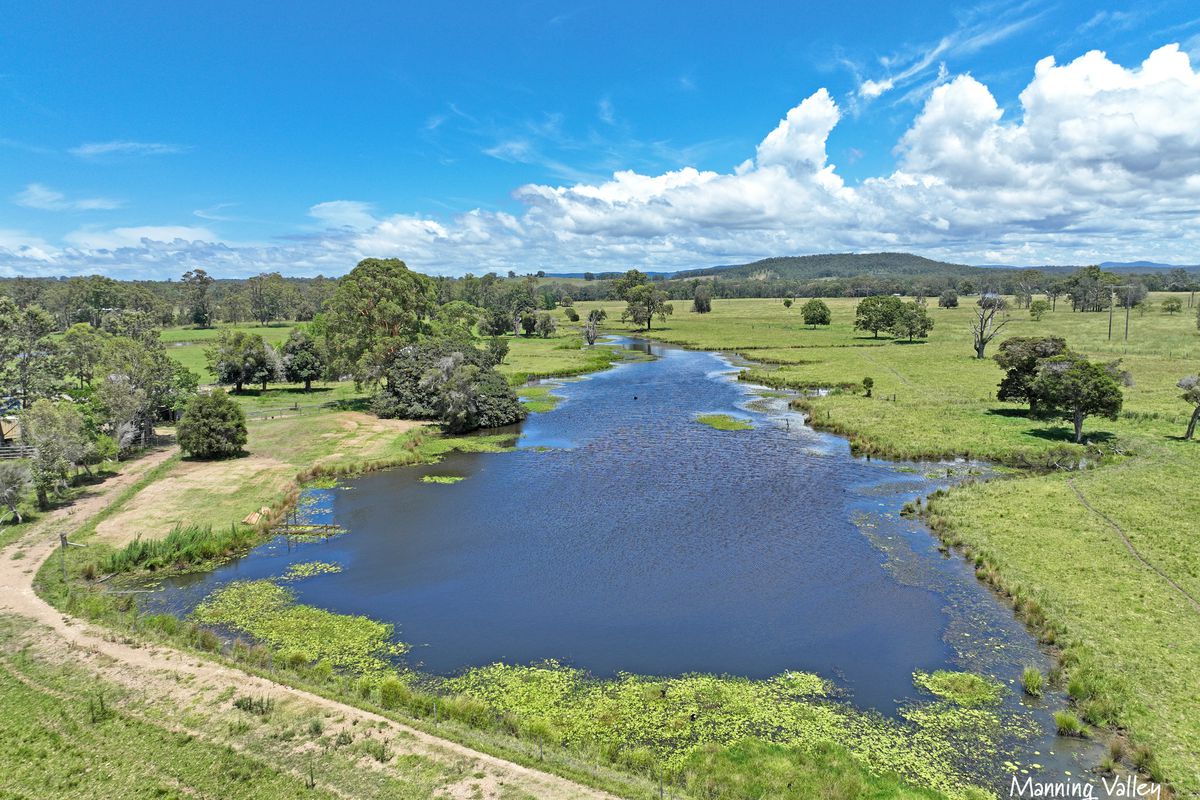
{"x": 871, "y": 88}
{"x": 1100, "y": 161}
{"x": 125, "y": 148}
{"x": 116, "y": 238}
{"x": 343, "y": 214}
{"x": 43, "y": 198}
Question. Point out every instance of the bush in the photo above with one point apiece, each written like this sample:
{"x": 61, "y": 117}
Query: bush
{"x": 393, "y": 693}
{"x": 572, "y": 314}
{"x": 1031, "y": 681}
{"x": 1069, "y": 725}
{"x": 213, "y": 426}
{"x": 948, "y": 299}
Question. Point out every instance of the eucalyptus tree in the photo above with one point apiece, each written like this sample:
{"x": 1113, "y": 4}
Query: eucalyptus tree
{"x": 1191, "y": 394}
{"x": 14, "y": 482}
{"x": 984, "y": 324}
{"x": 1073, "y": 388}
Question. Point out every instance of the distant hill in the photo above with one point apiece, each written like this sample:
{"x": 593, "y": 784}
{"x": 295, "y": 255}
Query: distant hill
{"x": 835, "y": 265}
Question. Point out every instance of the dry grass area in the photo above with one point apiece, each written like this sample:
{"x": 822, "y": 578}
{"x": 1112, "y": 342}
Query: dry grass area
{"x": 221, "y": 493}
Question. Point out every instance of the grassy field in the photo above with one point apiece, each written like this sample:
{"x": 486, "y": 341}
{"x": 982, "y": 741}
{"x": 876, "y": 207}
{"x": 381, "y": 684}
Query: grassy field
{"x": 1123, "y": 613}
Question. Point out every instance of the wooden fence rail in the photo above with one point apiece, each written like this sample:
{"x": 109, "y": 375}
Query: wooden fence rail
{"x": 8, "y": 453}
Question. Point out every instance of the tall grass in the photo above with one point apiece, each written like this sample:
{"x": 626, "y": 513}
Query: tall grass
{"x": 181, "y": 548}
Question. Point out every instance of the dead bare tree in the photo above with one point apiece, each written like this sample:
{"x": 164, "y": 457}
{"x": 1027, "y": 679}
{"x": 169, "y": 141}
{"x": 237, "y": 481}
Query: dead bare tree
{"x": 985, "y": 325}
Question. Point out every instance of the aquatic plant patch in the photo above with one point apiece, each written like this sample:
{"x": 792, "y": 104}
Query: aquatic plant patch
{"x": 963, "y": 688}
{"x": 269, "y": 613}
{"x": 724, "y": 422}
{"x": 671, "y": 720}
{"x": 441, "y": 478}
{"x": 309, "y": 569}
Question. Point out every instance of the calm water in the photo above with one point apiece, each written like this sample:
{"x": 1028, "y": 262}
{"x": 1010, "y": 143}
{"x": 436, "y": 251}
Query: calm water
{"x": 622, "y": 535}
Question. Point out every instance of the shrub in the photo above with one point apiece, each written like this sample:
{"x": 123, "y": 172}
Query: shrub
{"x": 213, "y": 426}
{"x": 1069, "y": 725}
{"x": 1031, "y": 681}
{"x": 393, "y": 693}
{"x": 948, "y": 299}
{"x": 572, "y": 314}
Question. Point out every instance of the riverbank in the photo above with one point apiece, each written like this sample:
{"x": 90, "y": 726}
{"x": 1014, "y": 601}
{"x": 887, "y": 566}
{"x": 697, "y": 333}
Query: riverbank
{"x": 1098, "y": 556}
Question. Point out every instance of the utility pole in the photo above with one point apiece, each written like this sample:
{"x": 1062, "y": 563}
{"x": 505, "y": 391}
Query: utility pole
{"x": 1112, "y": 303}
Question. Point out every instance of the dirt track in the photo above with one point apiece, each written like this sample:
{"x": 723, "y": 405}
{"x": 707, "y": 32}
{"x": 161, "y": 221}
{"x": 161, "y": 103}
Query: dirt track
{"x": 158, "y": 669}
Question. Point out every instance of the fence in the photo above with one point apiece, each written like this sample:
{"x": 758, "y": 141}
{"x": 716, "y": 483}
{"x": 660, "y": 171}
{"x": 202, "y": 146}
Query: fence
{"x": 8, "y": 453}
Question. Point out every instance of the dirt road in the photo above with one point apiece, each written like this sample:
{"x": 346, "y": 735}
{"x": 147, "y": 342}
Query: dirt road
{"x": 156, "y": 669}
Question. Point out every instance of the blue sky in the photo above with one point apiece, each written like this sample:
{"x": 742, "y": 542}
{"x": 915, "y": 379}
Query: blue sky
{"x": 142, "y": 139}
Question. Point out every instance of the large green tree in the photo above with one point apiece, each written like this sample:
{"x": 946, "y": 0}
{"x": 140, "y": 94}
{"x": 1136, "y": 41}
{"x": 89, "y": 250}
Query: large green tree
{"x": 56, "y": 431}
{"x": 380, "y": 307}
{"x": 302, "y": 359}
{"x": 269, "y": 297}
{"x": 1020, "y": 357}
{"x": 197, "y": 285}
{"x": 815, "y": 313}
{"x": 82, "y": 347}
{"x": 213, "y": 426}
{"x": 877, "y": 313}
{"x": 645, "y": 302}
{"x": 912, "y": 322}
{"x": 29, "y": 357}
{"x": 1073, "y": 388}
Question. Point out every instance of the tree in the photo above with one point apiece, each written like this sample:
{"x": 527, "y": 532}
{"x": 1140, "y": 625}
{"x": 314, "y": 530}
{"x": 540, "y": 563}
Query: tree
{"x": 546, "y": 325}
{"x": 56, "y": 433}
{"x": 1172, "y": 305}
{"x": 82, "y": 346}
{"x": 643, "y": 303}
{"x": 213, "y": 426}
{"x": 197, "y": 283}
{"x": 529, "y": 323}
{"x": 626, "y": 283}
{"x": 787, "y": 302}
{"x": 378, "y": 308}
{"x": 29, "y": 366}
{"x": 451, "y": 381}
{"x": 1191, "y": 394}
{"x": 702, "y": 299}
{"x": 1038, "y": 309}
{"x": 140, "y": 384}
{"x": 912, "y": 322}
{"x": 868, "y": 384}
{"x": 302, "y": 360}
{"x": 877, "y": 313}
{"x": 497, "y": 350}
{"x": 984, "y": 326}
{"x": 1073, "y": 388}
{"x": 816, "y": 313}
{"x": 948, "y": 299}
{"x": 268, "y": 297}
{"x": 591, "y": 329}
{"x": 1020, "y": 357}
{"x": 14, "y": 481}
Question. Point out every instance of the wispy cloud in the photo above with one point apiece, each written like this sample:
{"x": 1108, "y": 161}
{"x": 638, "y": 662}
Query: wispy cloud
{"x": 124, "y": 148}
{"x": 980, "y": 27}
{"x": 604, "y": 110}
{"x": 43, "y": 198}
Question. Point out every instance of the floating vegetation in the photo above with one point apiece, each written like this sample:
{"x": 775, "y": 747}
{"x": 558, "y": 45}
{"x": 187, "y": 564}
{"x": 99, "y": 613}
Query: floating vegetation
{"x": 671, "y": 720}
{"x": 269, "y": 613}
{"x": 539, "y": 399}
{"x": 724, "y": 422}
{"x": 309, "y": 569}
{"x": 963, "y": 688}
{"x": 441, "y": 478}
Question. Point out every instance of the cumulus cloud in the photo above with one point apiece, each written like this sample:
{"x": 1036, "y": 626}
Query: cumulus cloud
{"x": 1099, "y": 161}
{"x": 124, "y": 148}
{"x": 43, "y": 198}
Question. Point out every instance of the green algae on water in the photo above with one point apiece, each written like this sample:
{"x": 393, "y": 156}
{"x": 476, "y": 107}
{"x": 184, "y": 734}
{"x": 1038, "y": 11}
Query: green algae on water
{"x": 270, "y": 613}
{"x": 308, "y": 569}
{"x": 964, "y": 688}
{"x": 724, "y": 422}
{"x": 445, "y": 479}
